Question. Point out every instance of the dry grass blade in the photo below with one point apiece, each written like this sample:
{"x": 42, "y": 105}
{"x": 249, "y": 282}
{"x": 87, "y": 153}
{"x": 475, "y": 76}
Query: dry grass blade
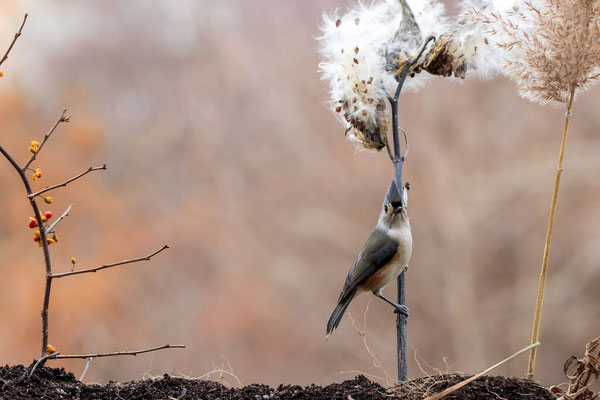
{"x": 582, "y": 373}
{"x": 454, "y": 388}
{"x": 362, "y": 333}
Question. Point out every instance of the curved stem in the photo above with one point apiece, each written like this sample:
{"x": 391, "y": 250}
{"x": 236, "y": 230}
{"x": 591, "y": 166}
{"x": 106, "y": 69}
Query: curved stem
{"x": 542, "y": 282}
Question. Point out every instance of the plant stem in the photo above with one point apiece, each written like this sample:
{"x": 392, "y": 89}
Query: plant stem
{"x": 401, "y": 331}
{"x": 84, "y": 271}
{"x": 542, "y": 283}
{"x": 120, "y": 353}
{"x": 38, "y": 218}
{"x": 14, "y": 40}
{"x": 87, "y": 171}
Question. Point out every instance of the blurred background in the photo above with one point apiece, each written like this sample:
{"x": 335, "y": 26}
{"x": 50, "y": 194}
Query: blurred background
{"x": 214, "y": 124}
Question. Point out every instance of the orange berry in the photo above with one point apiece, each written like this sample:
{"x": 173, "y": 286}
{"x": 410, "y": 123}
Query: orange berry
{"x": 50, "y": 349}
{"x": 37, "y": 234}
{"x": 73, "y": 260}
{"x": 48, "y": 200}
{"x": 34, "y": 147}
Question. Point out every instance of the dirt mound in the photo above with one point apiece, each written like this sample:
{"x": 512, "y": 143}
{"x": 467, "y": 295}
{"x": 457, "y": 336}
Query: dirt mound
{"x": 483, "y": 388}
{"x": 54, "y": 383}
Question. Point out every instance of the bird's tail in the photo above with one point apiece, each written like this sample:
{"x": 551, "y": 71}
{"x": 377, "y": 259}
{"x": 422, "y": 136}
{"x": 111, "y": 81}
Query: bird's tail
{"x": 339, "y": 311}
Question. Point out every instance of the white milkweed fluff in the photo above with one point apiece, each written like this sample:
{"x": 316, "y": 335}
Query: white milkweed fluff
{"x": 472, "y": 47}
{"x": 365, "y": 49}
{"x": 356, "y": 48}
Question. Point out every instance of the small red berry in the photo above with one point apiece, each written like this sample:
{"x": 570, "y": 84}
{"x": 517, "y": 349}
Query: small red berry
{"x": 36, "y": 239}
{"x": 32, "y": 224}
{"x": 48, "y": 214}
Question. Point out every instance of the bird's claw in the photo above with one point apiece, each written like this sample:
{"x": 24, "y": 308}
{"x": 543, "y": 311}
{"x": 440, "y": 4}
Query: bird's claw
{"x": 401, "y": 309}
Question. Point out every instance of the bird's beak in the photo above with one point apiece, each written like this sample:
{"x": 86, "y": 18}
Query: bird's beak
{"x": 397, "y": 209}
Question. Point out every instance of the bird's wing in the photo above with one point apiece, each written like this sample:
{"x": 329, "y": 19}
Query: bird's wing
{"x": 376, "y": 253}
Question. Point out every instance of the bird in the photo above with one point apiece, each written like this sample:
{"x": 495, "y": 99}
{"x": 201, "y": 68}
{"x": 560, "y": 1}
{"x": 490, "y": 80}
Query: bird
{"x": 383, "y": 258}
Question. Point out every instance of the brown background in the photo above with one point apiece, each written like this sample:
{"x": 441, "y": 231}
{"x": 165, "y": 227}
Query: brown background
{"x": 214, "y": 124}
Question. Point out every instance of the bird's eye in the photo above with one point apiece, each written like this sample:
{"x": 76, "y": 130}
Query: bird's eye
{"x": 385, "y": 208}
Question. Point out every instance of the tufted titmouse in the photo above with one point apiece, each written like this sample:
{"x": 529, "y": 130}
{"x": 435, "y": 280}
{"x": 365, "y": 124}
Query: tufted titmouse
{"x": 383, "y": 257}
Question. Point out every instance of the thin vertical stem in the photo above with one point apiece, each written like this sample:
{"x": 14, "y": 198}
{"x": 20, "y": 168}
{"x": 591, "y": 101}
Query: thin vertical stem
{"x": 394, "y": 106}
{"x": 401, "y": 331}
{"x": 542, "y": 283}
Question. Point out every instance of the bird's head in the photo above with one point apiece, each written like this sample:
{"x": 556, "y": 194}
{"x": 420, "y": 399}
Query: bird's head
{"x": 393, "y": 214}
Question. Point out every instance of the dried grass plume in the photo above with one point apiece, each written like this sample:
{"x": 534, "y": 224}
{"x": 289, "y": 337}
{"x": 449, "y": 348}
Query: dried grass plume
{"x": 552, "y": 46}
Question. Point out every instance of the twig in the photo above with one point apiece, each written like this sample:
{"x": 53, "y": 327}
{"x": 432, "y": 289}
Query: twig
{"x": 66, "y": 213}
{"x": 46, "y": 137}
{"x": 535, "y": 334}
{"x": 121, "y": 353}
{"x": 90, "y": 169}
{"x": 453, "y": 388}
{"x": 39, "y": 362}
{"x": 396, "y": 157}
{"x": 83, "y": 271}
{"x": 14, "y": 40}
{"x": 87, "y": 365}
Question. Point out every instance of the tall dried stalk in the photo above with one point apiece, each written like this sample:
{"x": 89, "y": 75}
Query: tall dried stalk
{"x": 544, "y": 272}
{"x": 552, "y": 49}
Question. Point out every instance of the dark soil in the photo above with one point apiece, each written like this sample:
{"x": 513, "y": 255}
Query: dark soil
{"x": 54, "y": 383}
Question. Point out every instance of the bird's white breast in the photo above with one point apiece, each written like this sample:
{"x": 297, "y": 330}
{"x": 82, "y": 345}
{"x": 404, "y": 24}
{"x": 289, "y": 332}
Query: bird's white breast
{"x": 396, "y": 265}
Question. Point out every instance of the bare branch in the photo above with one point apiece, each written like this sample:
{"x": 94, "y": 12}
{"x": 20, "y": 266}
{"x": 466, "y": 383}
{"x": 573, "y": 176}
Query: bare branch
{"x": 46, "y": 137}
{"x": 47, "y": 261}
{"x": 90, "y": 169}
{"x": 66, "y": 213}
{"x": 121, "y": 353}
{"x": 84, "y": 271}
{"x": 14, "y": 40}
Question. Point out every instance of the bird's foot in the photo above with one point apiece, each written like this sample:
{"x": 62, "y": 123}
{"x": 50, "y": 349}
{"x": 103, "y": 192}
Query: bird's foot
{"x": 401, "y": 309}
